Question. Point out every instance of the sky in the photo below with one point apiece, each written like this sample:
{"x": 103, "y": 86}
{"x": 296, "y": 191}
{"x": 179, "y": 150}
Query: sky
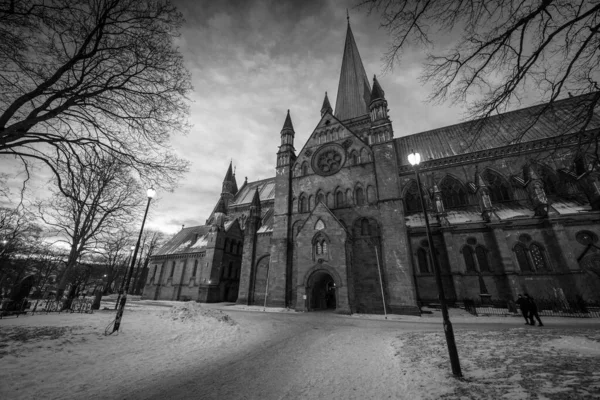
{"x": 250, "y": 62}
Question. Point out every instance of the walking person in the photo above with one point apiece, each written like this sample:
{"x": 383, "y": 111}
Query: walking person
{"x": 533, "y": 311}
{"x": 524, "y": 306}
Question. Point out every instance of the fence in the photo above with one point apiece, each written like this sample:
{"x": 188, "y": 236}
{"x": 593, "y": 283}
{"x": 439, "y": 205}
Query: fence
{"x": 25, "y": 306}
{"x": 578, "y": 308}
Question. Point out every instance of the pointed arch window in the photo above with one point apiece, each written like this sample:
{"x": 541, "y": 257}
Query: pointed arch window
{"x": 497, "y": 186}
{"x": 339, "y": 199}
{"x": 354, "y": 157}
{"x": 359, "y": 196}
{"x": 371, "y": 197}
{"x": 469, "y": 259}
{"x": 304, "y": 168}
{"x": 321, "y": 197}
{"x": 364, "y": 227}
{"x": 364, "y": 156}
{"x": 521, "y": 253}
{"x": 320, "y": 246}
{"x": 412, "y": 200}
{"x": 537, "y": 256}
{"x": 482, "y": 259}
{"x": 195, "y": 268}
{"x": 303, "y": 204}
{"x": 172, "y": 270}
{"x": 424, "y": 260}
{"x": 453, "y": 193}
{"x": 549, "y": 178}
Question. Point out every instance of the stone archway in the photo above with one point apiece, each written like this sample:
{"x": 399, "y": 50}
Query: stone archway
{"x": 322, "y": 291}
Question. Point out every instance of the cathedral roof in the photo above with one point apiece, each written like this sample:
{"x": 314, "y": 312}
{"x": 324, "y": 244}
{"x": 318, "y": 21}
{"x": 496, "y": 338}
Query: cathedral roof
{"x": 562, "y": 118}
{"x": 265, "y": 187}
{"x": 187, "y": 240}
{"x": 287, "y": 125}
{"x": 354, "y": 91}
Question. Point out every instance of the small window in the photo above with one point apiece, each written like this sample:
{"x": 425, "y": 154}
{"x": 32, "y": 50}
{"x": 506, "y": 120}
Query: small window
{"x": 195, "y": 268}
{"x": 482, "y": 259}
{"x": 339, "y": 199}
{"x": 321, "y": 197}
{"x": 423, "y": 259}
{"x": 537, "y": 256}
{"x": 359, "y": 197}
{"x": 172, "y": 270}
{"x": 303, "y": 204}
{"x": 304, "y": 168}
{"x": 412, "y": 200}
{"x": 469, "y": 260}
{"x": 522, "y": 259}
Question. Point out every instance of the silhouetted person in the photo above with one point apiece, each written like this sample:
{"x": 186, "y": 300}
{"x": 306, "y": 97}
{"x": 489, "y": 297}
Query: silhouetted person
{"x": 524, "y": 306}
{"x": 533, "y": 311}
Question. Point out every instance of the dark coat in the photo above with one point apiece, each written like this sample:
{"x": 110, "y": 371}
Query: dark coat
{"x": 532, "y": 305}
{"x": 523, "y": 303}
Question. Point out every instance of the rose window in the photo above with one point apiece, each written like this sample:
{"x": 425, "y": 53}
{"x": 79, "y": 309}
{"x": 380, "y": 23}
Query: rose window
{"x": 329, "y": 159}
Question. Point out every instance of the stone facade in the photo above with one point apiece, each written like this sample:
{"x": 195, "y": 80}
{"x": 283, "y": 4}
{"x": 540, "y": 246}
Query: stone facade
{"x": 341, "y": 225}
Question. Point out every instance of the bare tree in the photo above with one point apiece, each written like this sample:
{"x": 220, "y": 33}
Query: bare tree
{"x": 101, "y": 75}
{"x": 115, "y": 252}
{"x": 152, "y": 240}
{"x": 504, "y": 50}
{"x": 101, "y": 195}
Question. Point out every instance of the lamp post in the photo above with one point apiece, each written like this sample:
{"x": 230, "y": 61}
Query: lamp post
{"x": 122, "y": 285}
{"x": 151, "y": 193}
{"x": 414, "y": 159}
{"x": 4, "y": 243}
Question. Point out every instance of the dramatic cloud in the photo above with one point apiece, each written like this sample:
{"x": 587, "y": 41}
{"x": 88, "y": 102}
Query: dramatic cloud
{"x": 250, "y": 62}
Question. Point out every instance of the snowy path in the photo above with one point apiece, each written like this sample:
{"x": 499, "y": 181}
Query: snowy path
{"x": 312, "y": 358}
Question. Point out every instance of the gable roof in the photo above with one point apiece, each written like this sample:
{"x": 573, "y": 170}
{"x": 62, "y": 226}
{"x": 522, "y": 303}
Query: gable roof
{"x": 265, "y": 187}
{"x": 187, "y": 240}
{"x": 563, "y": 117}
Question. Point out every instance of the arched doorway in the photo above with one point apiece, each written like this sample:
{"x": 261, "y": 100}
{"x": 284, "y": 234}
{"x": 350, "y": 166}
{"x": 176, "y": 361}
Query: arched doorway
{"x": 321, "y": 291}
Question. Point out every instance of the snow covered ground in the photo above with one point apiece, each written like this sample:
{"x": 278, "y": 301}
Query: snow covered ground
{"x": 68, "y": 356}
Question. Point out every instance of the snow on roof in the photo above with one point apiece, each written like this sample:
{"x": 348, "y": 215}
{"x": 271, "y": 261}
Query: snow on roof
{"x": 187, "y": 240}
{"x": 266, "y": 191}
{"x": 267, "y": 222}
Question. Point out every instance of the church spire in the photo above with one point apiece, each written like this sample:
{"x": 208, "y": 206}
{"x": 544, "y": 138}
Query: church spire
{"x": 354, "y": 91}
{"x": 326, "y": 106}
{"x": 229, "y": 183}
{"x": 286, "y": 155}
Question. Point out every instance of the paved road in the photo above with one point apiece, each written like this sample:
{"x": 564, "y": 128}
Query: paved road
{"x": 313, "y": 355}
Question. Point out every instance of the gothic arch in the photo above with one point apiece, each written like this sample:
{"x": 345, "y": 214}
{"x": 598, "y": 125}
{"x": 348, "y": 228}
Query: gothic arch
{"x": 364, "y": 226}
{"x": 371, "y": 196}
{"x": 304, "y": 168}
{"x": 326, "y": 268}
{"x": 354, "y": 160}
{"x": 412, "y": 200}
{"x": 321, "y": 197}
{"x": 364, "y": 156}
{"x": 311, "y": 202}
{"x": 497, "y": 184}
{"x": 359, "y": 195}
{"x": 340, "y": 201}
{"x": 454, "y": 193}
{"x": 349, "y": 197}
{"x": 548, "y": 177}
{"x": 302, "y": 203}
{"x": 330, "y": 200}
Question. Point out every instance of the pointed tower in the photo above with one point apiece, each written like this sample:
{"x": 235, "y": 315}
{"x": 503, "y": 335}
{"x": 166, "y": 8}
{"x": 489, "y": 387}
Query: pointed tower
{"x": 229, "y": 187}
{"x": 381, "y": 126}
{"x": 326, "y": 106}
{"x": 279, "y": 286}
{"x": 354, "y": 91}
{"x": 248, "y": 271}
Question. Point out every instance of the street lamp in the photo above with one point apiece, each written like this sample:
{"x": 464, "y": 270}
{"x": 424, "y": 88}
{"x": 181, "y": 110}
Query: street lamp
{"x": 120, "y": 292}
{"x": 151, "y": 193}
{"x": 414, "y": 159}
{"x": 4, "y": 243}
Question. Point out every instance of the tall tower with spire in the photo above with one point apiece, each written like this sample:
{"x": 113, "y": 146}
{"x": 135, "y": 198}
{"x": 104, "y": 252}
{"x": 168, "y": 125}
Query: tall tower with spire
{"x": 280, "y": 284}
{"x": 354, "y": 91}
{"x": 229, "y": 186}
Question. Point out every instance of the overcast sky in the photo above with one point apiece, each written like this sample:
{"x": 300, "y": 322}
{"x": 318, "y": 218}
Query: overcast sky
{"x": 250, "y": 62}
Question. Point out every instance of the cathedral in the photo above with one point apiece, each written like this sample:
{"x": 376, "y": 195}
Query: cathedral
{"x": 341, "y": 225}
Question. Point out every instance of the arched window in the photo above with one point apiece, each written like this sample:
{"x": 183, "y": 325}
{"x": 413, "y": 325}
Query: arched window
{"x": 304, "y": 168}
{"x": 339, "y": 199}
{"x": 423, "y": 258}
{"x": 320, "y": 245}
{"x": 453, "y": 192}
{"x": 469, "y": 259}
{"x": 482, "y": 259}
{"x": 359, "y": 197}
{"x": 371, "y": 198}
{"x": 302, "y": 204}
{"x": 364, "y": 227}
{"x": 579, "y": 165}
{"x": 353, "y": 157}
{"x": 498, "y": 187}
{"x": 521, "y": 253}
{"x": 412, "y": 201}
{"x": 549, "y": 178}
{"x": 318, "y": 248}
{"x": 324, "y": 246}
{"x": 195, "y": 268}
{"x": 364, "y": 156}
{"x": 537, "y": 256}
{"x": 330, "y": 200}
{"x": 311, "y": 202}
{"x": 226, "y": 244}
{"x": 348, "y": 196}
{"x": 172, "y": 270}
{"x": 321, "y": 197}
{"x": 231, "y": 244}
